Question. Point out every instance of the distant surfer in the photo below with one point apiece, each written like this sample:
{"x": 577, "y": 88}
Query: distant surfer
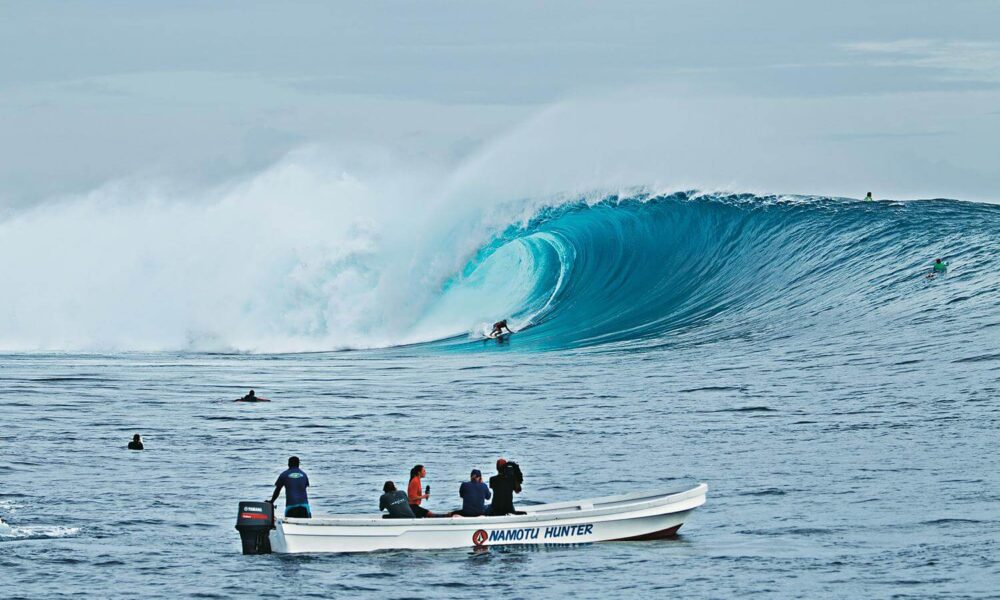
{"x": 938, "y": 268}
{"x": 498, "y": 329}
{"x": 869, "y": 198}
{"x": 136, "y": 443}
{"x": 251, "y": 397}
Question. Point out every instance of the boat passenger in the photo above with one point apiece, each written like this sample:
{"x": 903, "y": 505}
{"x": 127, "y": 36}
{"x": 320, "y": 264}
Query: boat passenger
{"x": 505, "y": 484}
{"x": 295, "y": 482}
{"x": 416, "y": 493}
{"x": 136, "y": 443}
{"x": 394, "y": 501}
{"x": 474, "y": 495}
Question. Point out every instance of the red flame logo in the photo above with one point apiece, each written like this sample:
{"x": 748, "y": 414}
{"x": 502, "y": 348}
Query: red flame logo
{"x": 479, "y": 538}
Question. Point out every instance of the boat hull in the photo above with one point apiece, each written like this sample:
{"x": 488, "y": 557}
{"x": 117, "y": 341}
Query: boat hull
{"x": 631, "y": 517}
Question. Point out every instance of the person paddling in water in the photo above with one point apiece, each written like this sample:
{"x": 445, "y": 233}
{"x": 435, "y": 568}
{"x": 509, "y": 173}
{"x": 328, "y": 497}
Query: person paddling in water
{"x": 498, "y": 328}
{"x": 251, "y": 397}
{"x": 938, "y": 268}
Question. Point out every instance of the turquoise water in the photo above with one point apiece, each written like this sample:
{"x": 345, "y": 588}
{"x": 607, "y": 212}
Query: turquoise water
{"x": 790, "y": 353}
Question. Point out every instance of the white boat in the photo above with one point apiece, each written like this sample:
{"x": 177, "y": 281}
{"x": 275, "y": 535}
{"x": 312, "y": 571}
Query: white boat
{"x": 640, "y": 516}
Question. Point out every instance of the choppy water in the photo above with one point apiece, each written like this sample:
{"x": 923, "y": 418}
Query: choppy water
{"x": 842, "y": 408}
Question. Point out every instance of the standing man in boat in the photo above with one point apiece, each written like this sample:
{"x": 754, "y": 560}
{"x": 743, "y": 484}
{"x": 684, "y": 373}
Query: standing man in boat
{"x": 505, "y": 484}
{"x": 295, "y": 482}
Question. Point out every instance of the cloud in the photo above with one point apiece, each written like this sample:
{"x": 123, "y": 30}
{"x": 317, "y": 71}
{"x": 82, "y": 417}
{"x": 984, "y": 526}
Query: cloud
{"x": 961, "y": 60}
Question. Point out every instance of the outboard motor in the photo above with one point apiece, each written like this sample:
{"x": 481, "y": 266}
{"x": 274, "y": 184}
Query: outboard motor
{"x": 255, "y": 522}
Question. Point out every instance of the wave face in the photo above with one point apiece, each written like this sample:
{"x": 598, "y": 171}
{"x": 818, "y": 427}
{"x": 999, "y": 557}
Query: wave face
{"x": 648, "y": 271}
{"x": 342, "y": 264}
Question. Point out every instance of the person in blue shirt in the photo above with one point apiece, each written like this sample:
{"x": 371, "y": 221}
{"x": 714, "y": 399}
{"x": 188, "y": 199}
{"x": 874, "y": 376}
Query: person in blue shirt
{"x": 295, "y": 482}
{"x": 474, "y": 495}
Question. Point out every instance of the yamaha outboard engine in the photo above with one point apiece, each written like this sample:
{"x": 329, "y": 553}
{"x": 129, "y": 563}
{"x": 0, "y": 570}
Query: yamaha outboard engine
{"x": 255, "y": 522}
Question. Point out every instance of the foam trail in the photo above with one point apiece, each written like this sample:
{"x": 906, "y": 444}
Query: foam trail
{"x": 34, "y": 532}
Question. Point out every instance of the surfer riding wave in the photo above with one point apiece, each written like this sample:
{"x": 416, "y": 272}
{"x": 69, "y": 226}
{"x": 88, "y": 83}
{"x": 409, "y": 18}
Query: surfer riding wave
{"x": 498, "y": 329}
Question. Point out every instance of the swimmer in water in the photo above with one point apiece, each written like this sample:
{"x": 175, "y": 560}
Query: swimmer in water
{"x": 869, "y": 198}
{"x": 136, "y": 443}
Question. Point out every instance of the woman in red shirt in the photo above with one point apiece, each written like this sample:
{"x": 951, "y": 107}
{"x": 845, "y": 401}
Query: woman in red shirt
{"x": 415, "y": 492}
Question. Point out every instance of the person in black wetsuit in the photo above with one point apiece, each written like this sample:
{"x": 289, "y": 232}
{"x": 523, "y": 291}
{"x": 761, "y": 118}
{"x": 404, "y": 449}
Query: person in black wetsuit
{"x": 136, "y": 443}
{"x": 251, "y": 397}
{"x": 505, "y": 484}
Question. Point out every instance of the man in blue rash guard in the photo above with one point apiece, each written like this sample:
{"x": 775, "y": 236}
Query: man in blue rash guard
{"x": 295, "y": 482}
{"x": 474, "y": 495}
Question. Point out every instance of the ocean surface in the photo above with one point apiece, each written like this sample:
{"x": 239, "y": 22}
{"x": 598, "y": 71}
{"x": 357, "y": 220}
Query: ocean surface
{"x": 788, "y": 351}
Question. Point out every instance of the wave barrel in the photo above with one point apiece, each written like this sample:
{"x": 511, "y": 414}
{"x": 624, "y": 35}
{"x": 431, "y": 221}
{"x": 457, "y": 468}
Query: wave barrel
{"x": 254, "y": 521}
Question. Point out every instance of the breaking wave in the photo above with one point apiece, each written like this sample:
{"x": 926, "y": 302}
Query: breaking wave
{"x": 650, "y": 270}
{"x": 300, "y": 259}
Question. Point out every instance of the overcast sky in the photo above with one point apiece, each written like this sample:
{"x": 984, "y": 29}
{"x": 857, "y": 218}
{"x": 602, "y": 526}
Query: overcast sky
{"x": 832, "y": 97}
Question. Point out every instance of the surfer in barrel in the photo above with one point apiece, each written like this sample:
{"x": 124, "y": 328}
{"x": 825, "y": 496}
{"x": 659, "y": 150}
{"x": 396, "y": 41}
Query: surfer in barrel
{"x": 498, "y": 329}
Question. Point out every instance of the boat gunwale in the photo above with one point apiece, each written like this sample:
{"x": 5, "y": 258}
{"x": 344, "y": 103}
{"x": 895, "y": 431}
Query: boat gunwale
{"x": 557, "y": 511}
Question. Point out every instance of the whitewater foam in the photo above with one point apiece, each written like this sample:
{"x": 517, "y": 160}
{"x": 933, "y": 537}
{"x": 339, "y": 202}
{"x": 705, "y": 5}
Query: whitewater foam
{"x": 301, "y": 257}
{"x": 34, "y": 532}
